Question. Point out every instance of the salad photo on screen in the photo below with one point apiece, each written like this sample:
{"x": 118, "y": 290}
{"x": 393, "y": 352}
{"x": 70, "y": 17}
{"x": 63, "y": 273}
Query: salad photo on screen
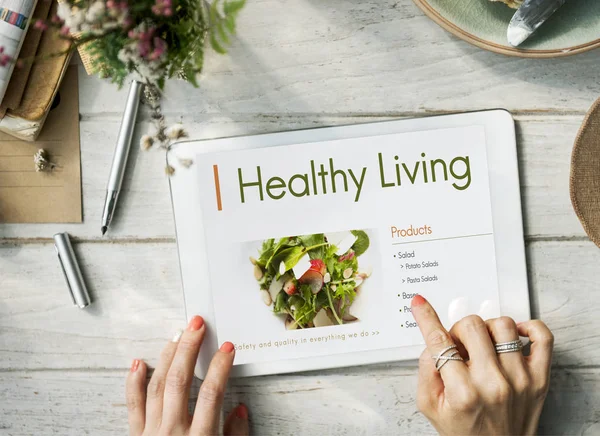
{"x": 312, "y": 280}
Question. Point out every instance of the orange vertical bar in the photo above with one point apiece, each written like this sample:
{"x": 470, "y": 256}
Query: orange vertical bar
{"x": 217, "y": 187}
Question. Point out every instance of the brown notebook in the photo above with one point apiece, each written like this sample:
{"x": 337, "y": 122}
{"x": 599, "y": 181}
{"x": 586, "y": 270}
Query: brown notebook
{"x": 27, "y": 196}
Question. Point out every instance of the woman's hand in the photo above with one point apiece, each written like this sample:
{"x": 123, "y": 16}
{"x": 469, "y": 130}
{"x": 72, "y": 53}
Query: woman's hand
{"x": 161, "y": 406}
{"x": 488, "y": 393}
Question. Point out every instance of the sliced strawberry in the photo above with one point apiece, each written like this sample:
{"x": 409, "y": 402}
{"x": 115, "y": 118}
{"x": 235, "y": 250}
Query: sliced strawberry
{"x": 314, "y": 279}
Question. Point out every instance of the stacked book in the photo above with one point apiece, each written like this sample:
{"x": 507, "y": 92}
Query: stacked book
{"x": 28, "y": 91}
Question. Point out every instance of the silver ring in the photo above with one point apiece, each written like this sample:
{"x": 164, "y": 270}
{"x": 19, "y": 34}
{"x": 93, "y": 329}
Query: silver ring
{"x": 441, "y": 359}
{"x": 509, "y": 347}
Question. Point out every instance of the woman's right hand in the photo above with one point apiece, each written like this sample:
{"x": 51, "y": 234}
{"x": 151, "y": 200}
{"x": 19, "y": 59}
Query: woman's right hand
{"x": 488, "y": 393}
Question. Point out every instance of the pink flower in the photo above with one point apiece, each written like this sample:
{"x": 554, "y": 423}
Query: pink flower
{"x": 143, "y": 48}
{"x": 56, "y": 19}
{"x": 160, "y": 46}
{"x": 64, "y": 31}
{"x": 163, "y": 7}
{"x": 40, "y": 25}
{"x": 127, "y": 23}
{"x": 4, "y": 60}
{"x": 147, "y": 35}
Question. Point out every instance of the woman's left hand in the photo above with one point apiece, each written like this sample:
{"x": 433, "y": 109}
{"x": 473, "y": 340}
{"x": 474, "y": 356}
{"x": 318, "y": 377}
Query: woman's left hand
{"x": 160, "y": 407}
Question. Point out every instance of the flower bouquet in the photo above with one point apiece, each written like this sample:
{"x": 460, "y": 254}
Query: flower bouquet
{"x": 152, "y": 40}
{"x": 148, "y": 41}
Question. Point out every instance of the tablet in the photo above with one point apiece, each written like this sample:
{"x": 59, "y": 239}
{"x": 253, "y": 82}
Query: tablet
{"x": 305, "y": 248}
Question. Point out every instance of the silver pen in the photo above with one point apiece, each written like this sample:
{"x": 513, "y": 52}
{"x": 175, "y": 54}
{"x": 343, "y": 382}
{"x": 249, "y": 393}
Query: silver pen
{"x": 119, "y": 163}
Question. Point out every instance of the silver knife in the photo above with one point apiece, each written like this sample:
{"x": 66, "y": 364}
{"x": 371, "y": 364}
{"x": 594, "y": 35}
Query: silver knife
{"x": 531, "y": 15}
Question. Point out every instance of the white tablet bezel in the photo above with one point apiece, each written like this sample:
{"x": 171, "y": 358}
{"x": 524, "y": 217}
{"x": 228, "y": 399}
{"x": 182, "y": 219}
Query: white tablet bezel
{"x": 506, "y": 210}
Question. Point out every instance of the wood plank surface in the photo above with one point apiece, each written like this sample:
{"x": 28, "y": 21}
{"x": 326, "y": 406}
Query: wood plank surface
{"x": 144, "y": 210}
{"x": 357, "y": 57}
{"x": 372, "y": 400}
{"x": 295, "y": 64}
{"x": 138, "y": 304}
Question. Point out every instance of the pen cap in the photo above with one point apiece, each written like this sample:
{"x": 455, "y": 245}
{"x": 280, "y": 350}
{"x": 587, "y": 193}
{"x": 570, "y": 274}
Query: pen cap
{"x": 70, "y": 267}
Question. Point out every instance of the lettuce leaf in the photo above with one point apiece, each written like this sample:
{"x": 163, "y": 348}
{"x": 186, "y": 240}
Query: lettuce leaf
{"x": 362, "y": 242}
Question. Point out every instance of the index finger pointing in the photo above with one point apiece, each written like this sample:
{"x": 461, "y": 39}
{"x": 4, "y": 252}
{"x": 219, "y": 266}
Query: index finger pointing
{"x": 437, "y": 338}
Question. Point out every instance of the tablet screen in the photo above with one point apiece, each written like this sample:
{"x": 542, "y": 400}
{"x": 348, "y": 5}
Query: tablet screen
{"x": 317, "y": 249}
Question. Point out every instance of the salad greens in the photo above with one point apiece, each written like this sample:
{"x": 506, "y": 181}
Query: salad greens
{"x": 312, "y": 280}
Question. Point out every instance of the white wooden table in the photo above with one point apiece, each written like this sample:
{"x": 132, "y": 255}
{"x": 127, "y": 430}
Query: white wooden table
{"x": 296, "y": 64}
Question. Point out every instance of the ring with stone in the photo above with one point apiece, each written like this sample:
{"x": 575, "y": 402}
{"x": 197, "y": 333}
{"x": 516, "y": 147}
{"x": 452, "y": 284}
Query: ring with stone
{"x": 509, "y": 347}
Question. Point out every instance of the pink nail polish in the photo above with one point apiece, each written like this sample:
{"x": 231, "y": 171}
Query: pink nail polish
{"x": 418, "y": 300}
{"x": 135, "y": 365}
{"x": 196, "y": 323}
{"x": 242, "y": 411}
{"x": 227, "y": 347}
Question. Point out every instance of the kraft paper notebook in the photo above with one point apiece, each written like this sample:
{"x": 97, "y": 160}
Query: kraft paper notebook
{"x": 27, "y": 196}
{"x": 305, "y": 248}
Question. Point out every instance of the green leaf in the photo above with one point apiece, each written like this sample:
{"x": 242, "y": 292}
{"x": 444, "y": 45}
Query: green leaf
{"x": 290, "y": 257}
{"x": 233, "y": 6}
{"x": 266, "y": 251}
{"x": 230, "y": 23}
{"x": 282, "y": 242}
{"x": 321, "y": 301}
{"x": 190, "y": 74}
{"x": 281, "y": 303}
{"x": 223, "y": 25}
{"x": 215, "y": 44}
{"x": 222, "y": 32}
{"x": 362, "y": 242}
{"x": 330, "y": 258}
{"x": 312, "y": 240}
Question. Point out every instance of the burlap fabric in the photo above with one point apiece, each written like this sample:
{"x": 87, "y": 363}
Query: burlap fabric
{"x": 585, "y": 174}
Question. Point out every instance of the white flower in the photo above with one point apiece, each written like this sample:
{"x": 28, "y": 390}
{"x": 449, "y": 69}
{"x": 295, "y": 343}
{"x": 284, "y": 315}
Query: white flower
{"x": 146, "y": 142}
{"x": 175, "y": 131}
{"x": 186, "y": 163}
{"x": 64, "y": 11}
{"x": 75, "y": 19}
{"x": 95, "y": 11}
{"x": 124, "y": 55}
{"x": 109, "y": 25}
{"x": 41, "y": 162}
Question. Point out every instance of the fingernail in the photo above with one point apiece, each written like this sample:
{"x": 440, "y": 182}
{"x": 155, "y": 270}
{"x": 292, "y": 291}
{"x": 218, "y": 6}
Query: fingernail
{"x": 227, "y": 347}
{"x": 418, "y": 300}
{"x": 196, "y": 323}
{"x": 177, "y": 336}
{"x": 135, "y": 365}
{"x": 242, "y": 411}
